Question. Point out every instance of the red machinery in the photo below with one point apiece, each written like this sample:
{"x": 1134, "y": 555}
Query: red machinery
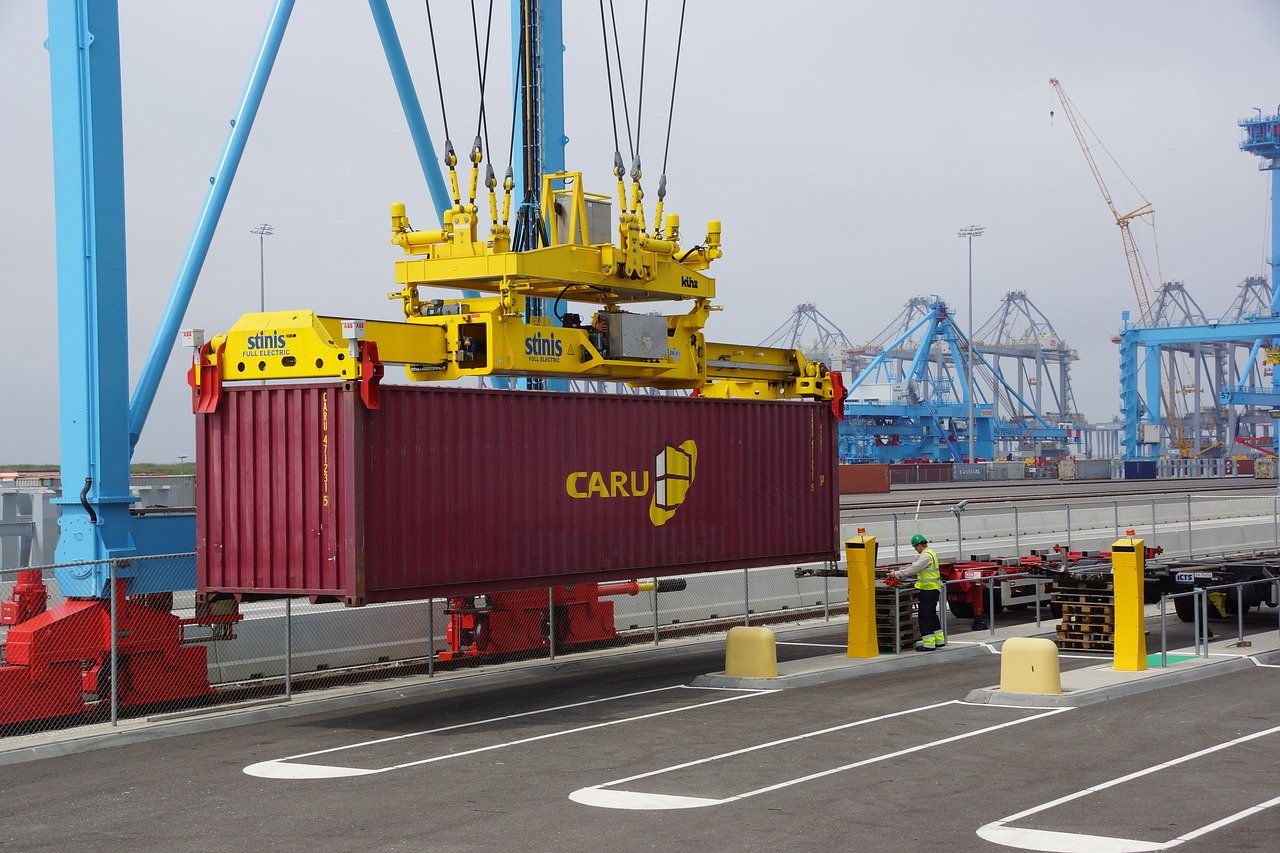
{"x": 58, "y": 662}
{"x": 517, "y": 621}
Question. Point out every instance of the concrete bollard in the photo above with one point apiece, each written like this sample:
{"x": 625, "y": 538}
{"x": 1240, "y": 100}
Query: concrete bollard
{"x": 751, "y": 653}
{"x": 1030, "y": 665}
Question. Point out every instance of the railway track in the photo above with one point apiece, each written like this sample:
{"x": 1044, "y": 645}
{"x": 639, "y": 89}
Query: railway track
{"x": 1048, "y": 491}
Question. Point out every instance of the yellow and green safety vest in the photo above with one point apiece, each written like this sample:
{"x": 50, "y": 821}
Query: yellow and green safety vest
{"x": 930, "y": 578}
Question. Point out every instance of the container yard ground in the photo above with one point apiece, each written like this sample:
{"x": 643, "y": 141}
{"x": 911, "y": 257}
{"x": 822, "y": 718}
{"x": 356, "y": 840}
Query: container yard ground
{"x": 472, "y": 761}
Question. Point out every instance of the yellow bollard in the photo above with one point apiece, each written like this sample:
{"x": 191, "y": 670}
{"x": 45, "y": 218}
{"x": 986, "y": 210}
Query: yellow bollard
{"x": 1128, "y": 562}
{"x": 860, "y": 553}
{"x": 751, "y": 653}
{"x": 1030, "y": 665}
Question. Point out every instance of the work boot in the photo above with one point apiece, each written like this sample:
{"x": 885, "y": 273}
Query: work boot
{"x": 926, "y": 645}
{"x": 939, "y": 640}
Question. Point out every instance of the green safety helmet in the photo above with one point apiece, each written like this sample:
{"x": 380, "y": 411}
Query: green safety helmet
{"x": 918, "y": 540}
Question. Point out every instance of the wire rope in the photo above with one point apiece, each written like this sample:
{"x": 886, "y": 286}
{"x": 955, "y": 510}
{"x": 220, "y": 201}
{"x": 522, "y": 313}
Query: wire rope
{"x": 622, "y": 80}
{"x": 435, "y": 56}
{"x": 644, "y": 53}
{"x": 613, "y": 109}
{"x": 482, "y": 69}
{"x": 671, "y": 112}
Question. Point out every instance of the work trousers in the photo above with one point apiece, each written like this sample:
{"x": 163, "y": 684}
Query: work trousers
{"x": 928, "y": 614}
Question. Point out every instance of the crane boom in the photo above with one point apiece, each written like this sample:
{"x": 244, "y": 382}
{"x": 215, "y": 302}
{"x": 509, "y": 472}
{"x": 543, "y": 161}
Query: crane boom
{"x": 1133, "y": 259}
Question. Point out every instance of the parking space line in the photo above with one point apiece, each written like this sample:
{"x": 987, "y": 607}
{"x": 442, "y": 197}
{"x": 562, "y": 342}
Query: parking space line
{"x": 291, "y": 768}
{"x": 999, "y": 832}
{"x": 605, "y": 795}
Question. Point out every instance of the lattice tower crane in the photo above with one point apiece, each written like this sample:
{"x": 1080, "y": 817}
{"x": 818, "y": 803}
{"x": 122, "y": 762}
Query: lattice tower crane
{"x": 1133, "y": 258}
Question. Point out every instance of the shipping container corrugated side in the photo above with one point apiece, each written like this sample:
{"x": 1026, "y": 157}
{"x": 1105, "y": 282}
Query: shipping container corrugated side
{"x": 452, "y": 491}
{"x": 864, "y": 478}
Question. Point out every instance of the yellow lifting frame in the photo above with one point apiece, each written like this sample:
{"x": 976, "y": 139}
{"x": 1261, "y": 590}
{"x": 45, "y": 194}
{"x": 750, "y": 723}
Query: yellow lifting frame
{"x": 491, "y": 335}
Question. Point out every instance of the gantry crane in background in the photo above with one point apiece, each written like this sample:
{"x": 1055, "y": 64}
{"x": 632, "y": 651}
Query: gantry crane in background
{"x": 1262, "y": 138}
{"x": 815, "y": 335}
{"x": 1030, "y": 356}
{"x": 910, "y": 401}
{"x": 1137, "y": 272}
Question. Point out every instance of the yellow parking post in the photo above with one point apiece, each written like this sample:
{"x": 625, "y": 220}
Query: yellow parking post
{"x": 1128, "y": 562}
{"x": 860, "y": 553}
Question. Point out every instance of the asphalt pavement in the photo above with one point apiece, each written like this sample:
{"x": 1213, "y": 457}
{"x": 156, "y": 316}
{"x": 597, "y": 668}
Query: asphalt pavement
{"x": 635, "y": 749}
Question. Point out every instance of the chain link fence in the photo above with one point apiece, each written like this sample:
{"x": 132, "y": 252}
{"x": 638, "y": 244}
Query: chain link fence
{"x": 66, "y": 663}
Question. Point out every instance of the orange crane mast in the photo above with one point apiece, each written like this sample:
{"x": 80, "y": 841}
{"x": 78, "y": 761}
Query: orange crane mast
{"x": 1133, "y": 259}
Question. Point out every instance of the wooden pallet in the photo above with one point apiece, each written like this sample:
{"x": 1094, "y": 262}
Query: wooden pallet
{"x": 1101, "y": 620}
{"x": 1086, "y": 645}
{"x": 1083, "y": 594}
{"x": 905, "y": 618}
{"x": 1088, "y": 615}
{"x": 1094, "y": 637}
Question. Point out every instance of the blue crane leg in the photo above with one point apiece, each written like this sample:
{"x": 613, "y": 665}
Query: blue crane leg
{"x": 88, "y": 178}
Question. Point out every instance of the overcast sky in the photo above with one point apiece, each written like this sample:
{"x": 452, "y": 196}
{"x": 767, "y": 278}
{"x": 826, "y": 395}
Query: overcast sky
{"x": 841, "y": 144}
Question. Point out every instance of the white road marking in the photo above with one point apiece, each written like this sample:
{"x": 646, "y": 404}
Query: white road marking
{"x": 999, "y": 832}
{"x": 290, "y": 768}
{"x": 605, "y": 795}
{"x": 817, "y": 645}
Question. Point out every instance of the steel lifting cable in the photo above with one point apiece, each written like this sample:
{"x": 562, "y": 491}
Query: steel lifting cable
{"x": 509, "y": 181}
{"x": 482, "y": 124}
{"x": 666, "y": 150}
{"x": 619, "y": 170}
{"x": 644, "y": 53}
{"x": 622, "y": 80}
{"x": 450, "y": 158}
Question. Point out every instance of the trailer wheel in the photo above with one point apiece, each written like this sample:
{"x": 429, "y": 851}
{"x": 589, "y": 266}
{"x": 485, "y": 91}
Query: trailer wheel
{"x": 1185, "y": 608}
{"x": 961, "y": 609}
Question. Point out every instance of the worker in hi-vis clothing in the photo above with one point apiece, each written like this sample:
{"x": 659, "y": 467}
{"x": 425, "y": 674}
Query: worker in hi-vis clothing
{"x": 929, "y": 583}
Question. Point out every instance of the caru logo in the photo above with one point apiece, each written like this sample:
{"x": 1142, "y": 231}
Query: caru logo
{"x": 674, "y": 475}
{"x": 667, "y": 487}
{"x": 262, "y": 340}
{"x": 539, "y": 348}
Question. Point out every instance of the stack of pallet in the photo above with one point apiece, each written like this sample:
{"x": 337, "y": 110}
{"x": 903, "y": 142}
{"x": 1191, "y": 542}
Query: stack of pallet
{"x": 896, "y": 613}
{"x": 1088, "y": 615}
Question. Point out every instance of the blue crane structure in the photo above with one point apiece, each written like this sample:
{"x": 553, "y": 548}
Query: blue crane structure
{"x": 919, "y": 410}
{"x": 1140, "y": 345}
{"x": 100, "y": 425}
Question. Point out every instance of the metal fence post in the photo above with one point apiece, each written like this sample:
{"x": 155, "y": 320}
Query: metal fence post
{"x": 1240, "y": 612}
{"x": 1153, "y": 519}
{"x": 1017, "y": 533}
{"x": 115, "y": 635}
{"x": 1191, "y": 551}
{"x": 288, "y": 648}
{"x": 655, "y": 611}
{"x": 942, "y": 608}
{"x": 1035, "y": 584}
{"x": 1116, "y": 506}
{"x": 431, "y": 637}
{"x": 1068, "y": 528}
{"x": 895, "y": 537}
{"x": 746, "y": 597}
{"x": 897, "y": 620}
{"x": 1164, "y": 631}
{"x": 991, "y": 602}
{"x": 551, "y": 621}
{"x": 826, "y": 595}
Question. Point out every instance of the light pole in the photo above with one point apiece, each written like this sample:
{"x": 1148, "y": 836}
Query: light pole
{"x": 970, "y": 231}
{"x": 264, "y": 230}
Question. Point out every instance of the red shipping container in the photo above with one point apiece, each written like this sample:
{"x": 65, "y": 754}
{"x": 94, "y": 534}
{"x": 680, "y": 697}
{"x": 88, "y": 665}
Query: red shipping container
{"x": 457, "y": 491}
{"x": 864, "y": 479}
